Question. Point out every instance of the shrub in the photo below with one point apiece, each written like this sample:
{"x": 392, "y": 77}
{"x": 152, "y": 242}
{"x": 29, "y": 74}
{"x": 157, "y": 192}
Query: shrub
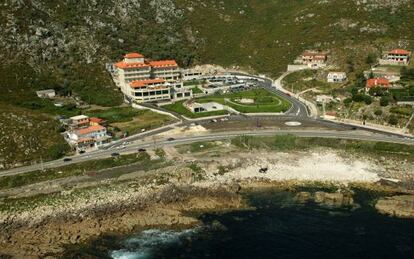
{"x": 384, "y": 101}
{"x": 393, "y": 120}
{"x": 58, "y": 150}
{"x": 378, "y": 112}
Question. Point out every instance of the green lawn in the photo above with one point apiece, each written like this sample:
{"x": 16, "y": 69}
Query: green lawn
{"x": 130, "y": 120}
{"x": 146, "y": 119}
{"x": 178, "y": 107}
{"x": 264, "y": 101}
{"x": 196, "y": 90}
{"x": 116, "y": 114}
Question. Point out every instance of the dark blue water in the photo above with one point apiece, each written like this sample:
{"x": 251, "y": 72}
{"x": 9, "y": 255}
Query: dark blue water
{"x": 280, "y": 227}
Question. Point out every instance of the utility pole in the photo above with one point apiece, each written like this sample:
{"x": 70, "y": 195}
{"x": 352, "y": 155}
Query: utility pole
{"x": 42, "y": 168}
{"x": 323, "y": 108}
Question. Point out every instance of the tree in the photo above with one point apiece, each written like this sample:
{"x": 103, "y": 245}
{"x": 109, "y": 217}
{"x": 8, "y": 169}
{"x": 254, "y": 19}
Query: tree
{"x": 378, "y": 112}
{"x": 371, "y": 59}
{"x": 384, "y": 101}
{"x": 361, "y": 81}
{"x": 58, "y": 150}
{"x": 367, "y": 99}
{"x": 358, "y": 98}
{"x": 347, "y": 101}
{"x": 393, "y": 120}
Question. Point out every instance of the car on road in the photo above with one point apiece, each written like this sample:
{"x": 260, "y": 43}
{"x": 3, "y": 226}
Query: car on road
{"x": 170, "y": 139}
{"x": 142, "y": 150}
{"x": 114, "y": 154}
{"x": 67, "y": 159}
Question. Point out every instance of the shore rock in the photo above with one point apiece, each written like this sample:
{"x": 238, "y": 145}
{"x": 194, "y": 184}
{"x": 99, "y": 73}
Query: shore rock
{"x": 399, "y": 206}
{"x": 336, "y": 199}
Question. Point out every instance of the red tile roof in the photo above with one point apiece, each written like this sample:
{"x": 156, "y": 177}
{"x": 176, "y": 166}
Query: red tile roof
{"x": 143, "y": 83}
{"x": 134, "y": 55}
{"x": 163, "y": 63}
{"x": 96, "y": 120}
{"x": 399, "y": 52}
{"x": 90, "y": 129}
{"x": 125, "y": 65}
{"x": 314, "y": 53}
{"x": 378, "y": 82}
{"x": 83, "y": 140}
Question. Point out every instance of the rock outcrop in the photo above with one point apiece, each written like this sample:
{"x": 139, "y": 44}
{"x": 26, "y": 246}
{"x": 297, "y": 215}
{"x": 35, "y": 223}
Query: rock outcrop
{"x": 398, "y": 206}
{"x": 336, "y": 199}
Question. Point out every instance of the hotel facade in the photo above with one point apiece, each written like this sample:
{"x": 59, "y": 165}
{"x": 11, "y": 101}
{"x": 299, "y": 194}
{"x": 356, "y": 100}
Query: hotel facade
{"x": 142, "y": 80}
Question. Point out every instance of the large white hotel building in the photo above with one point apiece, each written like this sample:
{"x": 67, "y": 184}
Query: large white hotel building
{"x": 145, "y": 81}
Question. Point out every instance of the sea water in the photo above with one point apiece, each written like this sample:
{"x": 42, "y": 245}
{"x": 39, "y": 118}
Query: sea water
{"x": 279, "y": 227}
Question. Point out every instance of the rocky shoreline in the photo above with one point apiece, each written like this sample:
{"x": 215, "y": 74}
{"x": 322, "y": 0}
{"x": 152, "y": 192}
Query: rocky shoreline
{"x": 42, "y": 226}
{"x": 167, "y": 206}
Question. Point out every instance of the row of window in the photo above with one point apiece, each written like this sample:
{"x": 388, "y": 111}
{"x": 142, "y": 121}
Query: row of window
{"x": 159, "y": 92}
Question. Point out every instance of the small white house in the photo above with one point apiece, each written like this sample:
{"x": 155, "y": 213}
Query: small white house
{"x": 336, "y": 77}
{"x": 48, "y": 93}
{"x": 195, "y": 107}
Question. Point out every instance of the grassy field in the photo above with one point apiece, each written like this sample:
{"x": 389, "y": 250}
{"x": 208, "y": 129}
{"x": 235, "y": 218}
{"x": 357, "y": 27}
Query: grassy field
{"x": 196, "y": 90}
{"x": 264, "y": 101}
{"x": 290, "y": 142}
{"x": 145, "y": 120}
{"x": 307, "y": 79}
{"x": 178, "y": 107}
{"x": 7, "y": 182}
{"x": 130, "y": 120}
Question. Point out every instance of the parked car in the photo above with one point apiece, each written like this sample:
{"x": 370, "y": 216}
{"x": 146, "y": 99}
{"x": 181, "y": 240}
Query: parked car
{"x": 82, "y": 151}
{"x": 115, "y": 154}
{"x": 142, "y": 150}
{"x": 67, "y": 159}
{"x": 170, "y": 139}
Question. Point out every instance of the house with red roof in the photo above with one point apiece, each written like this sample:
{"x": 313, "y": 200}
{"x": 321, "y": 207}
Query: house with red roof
{"x": 94, "y": 121}
{"x": 398, "y": 57}
{"x": 313, "y": 59}
{"x": 87, "y": 137}
{"x": 377, "y": 82}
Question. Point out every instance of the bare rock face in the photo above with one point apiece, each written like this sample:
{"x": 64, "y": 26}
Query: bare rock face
{"x": 399, "y": 206}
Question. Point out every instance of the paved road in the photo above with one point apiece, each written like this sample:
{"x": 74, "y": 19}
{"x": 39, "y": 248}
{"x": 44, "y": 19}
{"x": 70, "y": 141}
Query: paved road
{"x": 133, "y": 147}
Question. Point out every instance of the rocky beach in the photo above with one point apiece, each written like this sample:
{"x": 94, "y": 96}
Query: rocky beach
{"x": 42, "y": 225}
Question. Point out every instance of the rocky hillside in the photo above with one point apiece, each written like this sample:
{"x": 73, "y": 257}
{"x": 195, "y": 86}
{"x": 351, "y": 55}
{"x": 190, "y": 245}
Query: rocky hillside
{"x": 65, "y": 44}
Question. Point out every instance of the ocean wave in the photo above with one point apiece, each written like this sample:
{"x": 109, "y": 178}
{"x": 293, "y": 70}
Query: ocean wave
{"x": 148, "y": 242}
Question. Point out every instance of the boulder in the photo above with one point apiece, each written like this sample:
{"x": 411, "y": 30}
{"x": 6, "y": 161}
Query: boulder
{"x": 336, "y": 199}
{"x": 399, "y": 206}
